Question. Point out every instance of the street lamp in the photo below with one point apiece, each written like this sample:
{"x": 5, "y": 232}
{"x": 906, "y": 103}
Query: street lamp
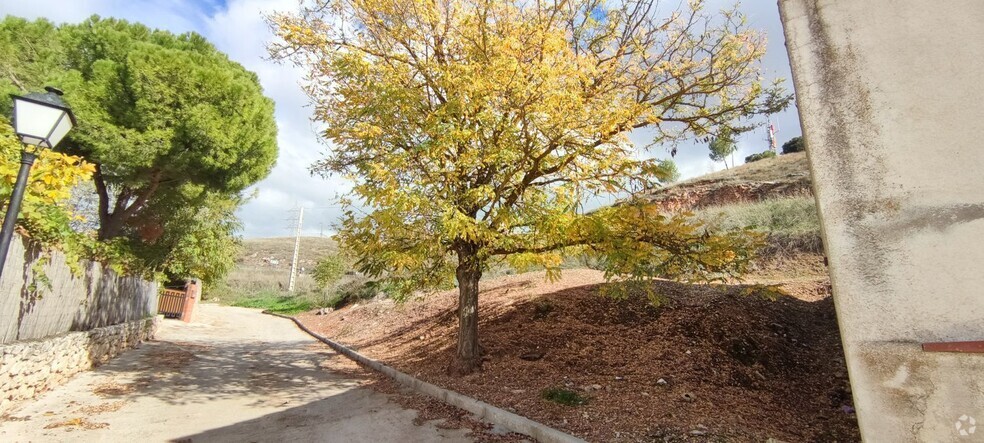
{"x": 40, "y": 120}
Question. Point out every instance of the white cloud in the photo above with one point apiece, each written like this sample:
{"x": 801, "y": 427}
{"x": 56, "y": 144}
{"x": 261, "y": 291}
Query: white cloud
{"x": 240, "y": 30}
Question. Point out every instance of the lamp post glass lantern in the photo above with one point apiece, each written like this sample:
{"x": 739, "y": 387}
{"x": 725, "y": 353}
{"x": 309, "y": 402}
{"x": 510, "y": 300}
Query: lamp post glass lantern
{"x": 40, "y": 120}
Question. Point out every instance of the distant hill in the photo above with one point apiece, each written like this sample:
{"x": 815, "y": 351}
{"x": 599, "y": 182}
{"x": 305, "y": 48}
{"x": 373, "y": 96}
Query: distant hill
{"x": 279, "y": 250}
{"x": 787, "y": 174}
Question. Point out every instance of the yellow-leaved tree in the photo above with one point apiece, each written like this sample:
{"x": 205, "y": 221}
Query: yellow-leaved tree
{"x": 46, "y": 213}
{"x": 475, "y": 129}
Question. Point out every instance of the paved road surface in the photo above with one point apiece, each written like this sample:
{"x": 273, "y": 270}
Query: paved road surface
{"x": 235, "y": 375}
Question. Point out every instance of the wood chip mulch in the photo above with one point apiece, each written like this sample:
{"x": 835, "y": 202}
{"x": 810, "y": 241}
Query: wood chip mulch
{"x": 713, "y": 363}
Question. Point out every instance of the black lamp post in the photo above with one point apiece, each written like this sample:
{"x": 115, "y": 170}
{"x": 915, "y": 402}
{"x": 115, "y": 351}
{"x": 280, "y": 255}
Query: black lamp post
{"x": 40, "y": 120}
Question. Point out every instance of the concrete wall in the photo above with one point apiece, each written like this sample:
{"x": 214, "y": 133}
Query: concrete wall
{"x": 31, "y": 367}
{"x": 891, "y": 100}
{"x": 31, "y": 308}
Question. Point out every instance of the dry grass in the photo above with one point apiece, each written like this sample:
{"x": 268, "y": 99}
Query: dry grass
{"x": 282, "y": 249}
{"x": 264, "y": 267}
{"x": 772, "y": 169}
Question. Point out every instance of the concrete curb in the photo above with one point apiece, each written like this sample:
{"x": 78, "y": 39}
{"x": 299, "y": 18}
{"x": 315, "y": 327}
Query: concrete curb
{"x": 513, "y": 422}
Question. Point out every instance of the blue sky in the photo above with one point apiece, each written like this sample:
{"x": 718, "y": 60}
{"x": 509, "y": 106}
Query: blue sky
{"x": 237, "y": 27}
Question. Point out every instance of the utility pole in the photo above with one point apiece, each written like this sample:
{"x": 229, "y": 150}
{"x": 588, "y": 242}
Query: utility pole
{"x": 772, "y": 136}
{"x": 297, "y": 248}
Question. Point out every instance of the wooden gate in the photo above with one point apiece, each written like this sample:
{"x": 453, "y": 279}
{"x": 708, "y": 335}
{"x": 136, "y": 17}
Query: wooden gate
{"x": 172, "y": 303}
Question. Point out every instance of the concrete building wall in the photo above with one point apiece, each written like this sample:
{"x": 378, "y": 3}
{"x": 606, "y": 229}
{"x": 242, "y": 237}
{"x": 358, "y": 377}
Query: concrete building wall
{"x": 891, "y": 101}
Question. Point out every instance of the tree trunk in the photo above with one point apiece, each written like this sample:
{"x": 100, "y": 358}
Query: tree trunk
{"x": 468, "y": 273}
{"x": 110, "y": 227}
{"x": 111, "y": 224}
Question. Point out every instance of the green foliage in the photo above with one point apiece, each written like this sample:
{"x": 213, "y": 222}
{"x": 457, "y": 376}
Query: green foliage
{"x": 196, "y": 240}
{"x": 46, "y": 216}
{"x": 474, "y": 131}
{"x": 795, "y": 144}
{"x": 175, "y": 129}
{"x": 722, "y": 146}
{"x": 787, "y": 216}
{"x": 672, "y": 174}
{"x": 563, "y": 396}
{"x": 276, "y": 302}
{"x": 329, "y": 271}
{"x": 791, "y": 224}
{"x": 760, "y": 156}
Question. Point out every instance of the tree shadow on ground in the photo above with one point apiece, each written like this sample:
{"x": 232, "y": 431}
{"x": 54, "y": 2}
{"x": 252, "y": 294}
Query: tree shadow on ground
{"x": 351, "y": 416}
{"x": 182, "y": 373}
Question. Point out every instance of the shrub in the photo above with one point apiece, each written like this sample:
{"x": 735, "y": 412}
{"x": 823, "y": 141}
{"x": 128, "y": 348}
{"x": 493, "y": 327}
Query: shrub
{"x": 795, "y": 144}
{"x": 792, "y": 223}
{"x": 563, "y": 396}
{"x": 760, "y": 156}
{"x": 329, "y": 271}
{"x": 786, "y": 215}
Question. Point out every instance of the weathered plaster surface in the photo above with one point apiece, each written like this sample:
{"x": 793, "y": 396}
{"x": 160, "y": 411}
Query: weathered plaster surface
{"x": 891, "y": 105}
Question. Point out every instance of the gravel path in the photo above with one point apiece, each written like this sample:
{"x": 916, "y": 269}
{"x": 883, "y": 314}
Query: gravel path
{"x": 235, "y": 375}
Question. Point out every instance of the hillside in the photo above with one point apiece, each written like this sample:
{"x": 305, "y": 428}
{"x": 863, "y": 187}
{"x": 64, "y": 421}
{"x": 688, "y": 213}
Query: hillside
{"x": 263, "y": 251}
{"x": 263, "y": 266}
{"x": 785, "y": 175}
{"x": 713, "y": 363}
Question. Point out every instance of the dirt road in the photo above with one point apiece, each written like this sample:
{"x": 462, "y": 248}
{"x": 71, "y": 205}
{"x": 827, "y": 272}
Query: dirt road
{"x": 235, "y": 375}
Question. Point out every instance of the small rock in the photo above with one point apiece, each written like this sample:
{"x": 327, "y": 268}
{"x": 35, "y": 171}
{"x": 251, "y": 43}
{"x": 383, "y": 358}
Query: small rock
{"x": 688, "y": 352}
{"x": 596, "y": 387}
{"x": 698, "y": 432}
{"x": 619, "y": 378}
{"x": 688, "y": 396}
{"x": 646, "y": 394}
{"x": 661, "y": 381}
{"x": 518, "y": 391}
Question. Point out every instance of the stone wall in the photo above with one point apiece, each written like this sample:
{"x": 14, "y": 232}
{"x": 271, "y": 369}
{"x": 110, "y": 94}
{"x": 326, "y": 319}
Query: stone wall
{"x": 30, "y": 367}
